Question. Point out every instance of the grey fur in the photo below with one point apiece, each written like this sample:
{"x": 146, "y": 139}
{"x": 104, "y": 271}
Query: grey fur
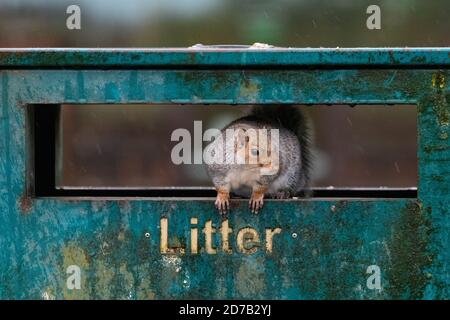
{"x": 294, "y": 154}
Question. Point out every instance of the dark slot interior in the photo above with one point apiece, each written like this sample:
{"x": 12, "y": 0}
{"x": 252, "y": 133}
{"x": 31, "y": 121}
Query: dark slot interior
{"x": 44, "y": 127}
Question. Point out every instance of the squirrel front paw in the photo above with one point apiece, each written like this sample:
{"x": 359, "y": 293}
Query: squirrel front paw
{"x": 222, "y": 202}
{"x": 256, "y": 202}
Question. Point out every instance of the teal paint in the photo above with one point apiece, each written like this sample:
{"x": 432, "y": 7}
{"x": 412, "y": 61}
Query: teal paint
{"x": 145, "y": 58}
{"x": 336, "y": 239}
{"x": 111, "y": 93}
{"x": 135, "y": 89}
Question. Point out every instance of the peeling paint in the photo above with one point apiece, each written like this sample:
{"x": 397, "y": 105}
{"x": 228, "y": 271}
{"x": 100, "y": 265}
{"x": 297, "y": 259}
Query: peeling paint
{"x": 409, "y": 254}
{"x": 250, "y": 279}
{"x": 72, "y": 254}
{"x": 248, "y": 90}
{"x": 103, "y": 279}
{"x": 48, "y": 295}
{"x": 439, "y": 99}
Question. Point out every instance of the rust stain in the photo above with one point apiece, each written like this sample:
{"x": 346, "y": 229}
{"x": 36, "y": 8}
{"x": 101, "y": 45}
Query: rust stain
{"x": 25, "y": 204}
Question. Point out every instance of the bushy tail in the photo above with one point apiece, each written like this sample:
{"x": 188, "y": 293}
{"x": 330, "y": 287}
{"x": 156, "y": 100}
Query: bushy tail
{"x": 295, "y": 120}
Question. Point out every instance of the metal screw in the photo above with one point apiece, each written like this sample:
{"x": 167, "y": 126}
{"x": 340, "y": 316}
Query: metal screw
{"x": 333, "y": 208}
{"x": 147, "y": 235}
{"x": 294, "y": 235}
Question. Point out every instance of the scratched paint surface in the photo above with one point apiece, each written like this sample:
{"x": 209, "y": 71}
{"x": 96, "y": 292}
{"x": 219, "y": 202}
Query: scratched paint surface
{"x": 112, "y": 58}
{"x": 324, "y": 246}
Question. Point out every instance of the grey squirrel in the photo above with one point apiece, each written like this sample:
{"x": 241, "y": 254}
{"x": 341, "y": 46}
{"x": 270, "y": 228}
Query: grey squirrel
{"x": 287, "y": 173}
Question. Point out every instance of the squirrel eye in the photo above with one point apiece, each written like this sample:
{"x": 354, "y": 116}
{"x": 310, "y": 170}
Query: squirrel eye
{"x": 255, "y": 152}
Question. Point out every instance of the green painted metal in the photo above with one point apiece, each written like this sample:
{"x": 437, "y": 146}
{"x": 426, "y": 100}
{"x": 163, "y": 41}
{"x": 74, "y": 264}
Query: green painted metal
{"x": 325, "y": 245}
{"x": 216, "y": 56}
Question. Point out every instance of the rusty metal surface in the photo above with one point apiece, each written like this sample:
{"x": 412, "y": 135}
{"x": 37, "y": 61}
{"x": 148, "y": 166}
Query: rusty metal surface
{"x": 323, "y": 247}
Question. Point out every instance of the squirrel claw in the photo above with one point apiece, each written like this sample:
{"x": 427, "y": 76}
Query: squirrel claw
{"x": 255, "y": 204}
{"x": 222, "y": 204}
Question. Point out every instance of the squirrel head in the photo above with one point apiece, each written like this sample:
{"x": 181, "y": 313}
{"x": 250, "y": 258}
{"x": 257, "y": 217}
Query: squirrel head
{"x": 256, "y": 148}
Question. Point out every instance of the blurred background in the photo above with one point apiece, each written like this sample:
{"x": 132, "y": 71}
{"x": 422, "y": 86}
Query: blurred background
{"x": 128, "y": 146}
{"x": 180, "y": 23}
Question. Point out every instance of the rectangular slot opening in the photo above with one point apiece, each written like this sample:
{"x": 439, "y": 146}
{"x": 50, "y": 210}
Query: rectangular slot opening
{"x": 367, "y": 151}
